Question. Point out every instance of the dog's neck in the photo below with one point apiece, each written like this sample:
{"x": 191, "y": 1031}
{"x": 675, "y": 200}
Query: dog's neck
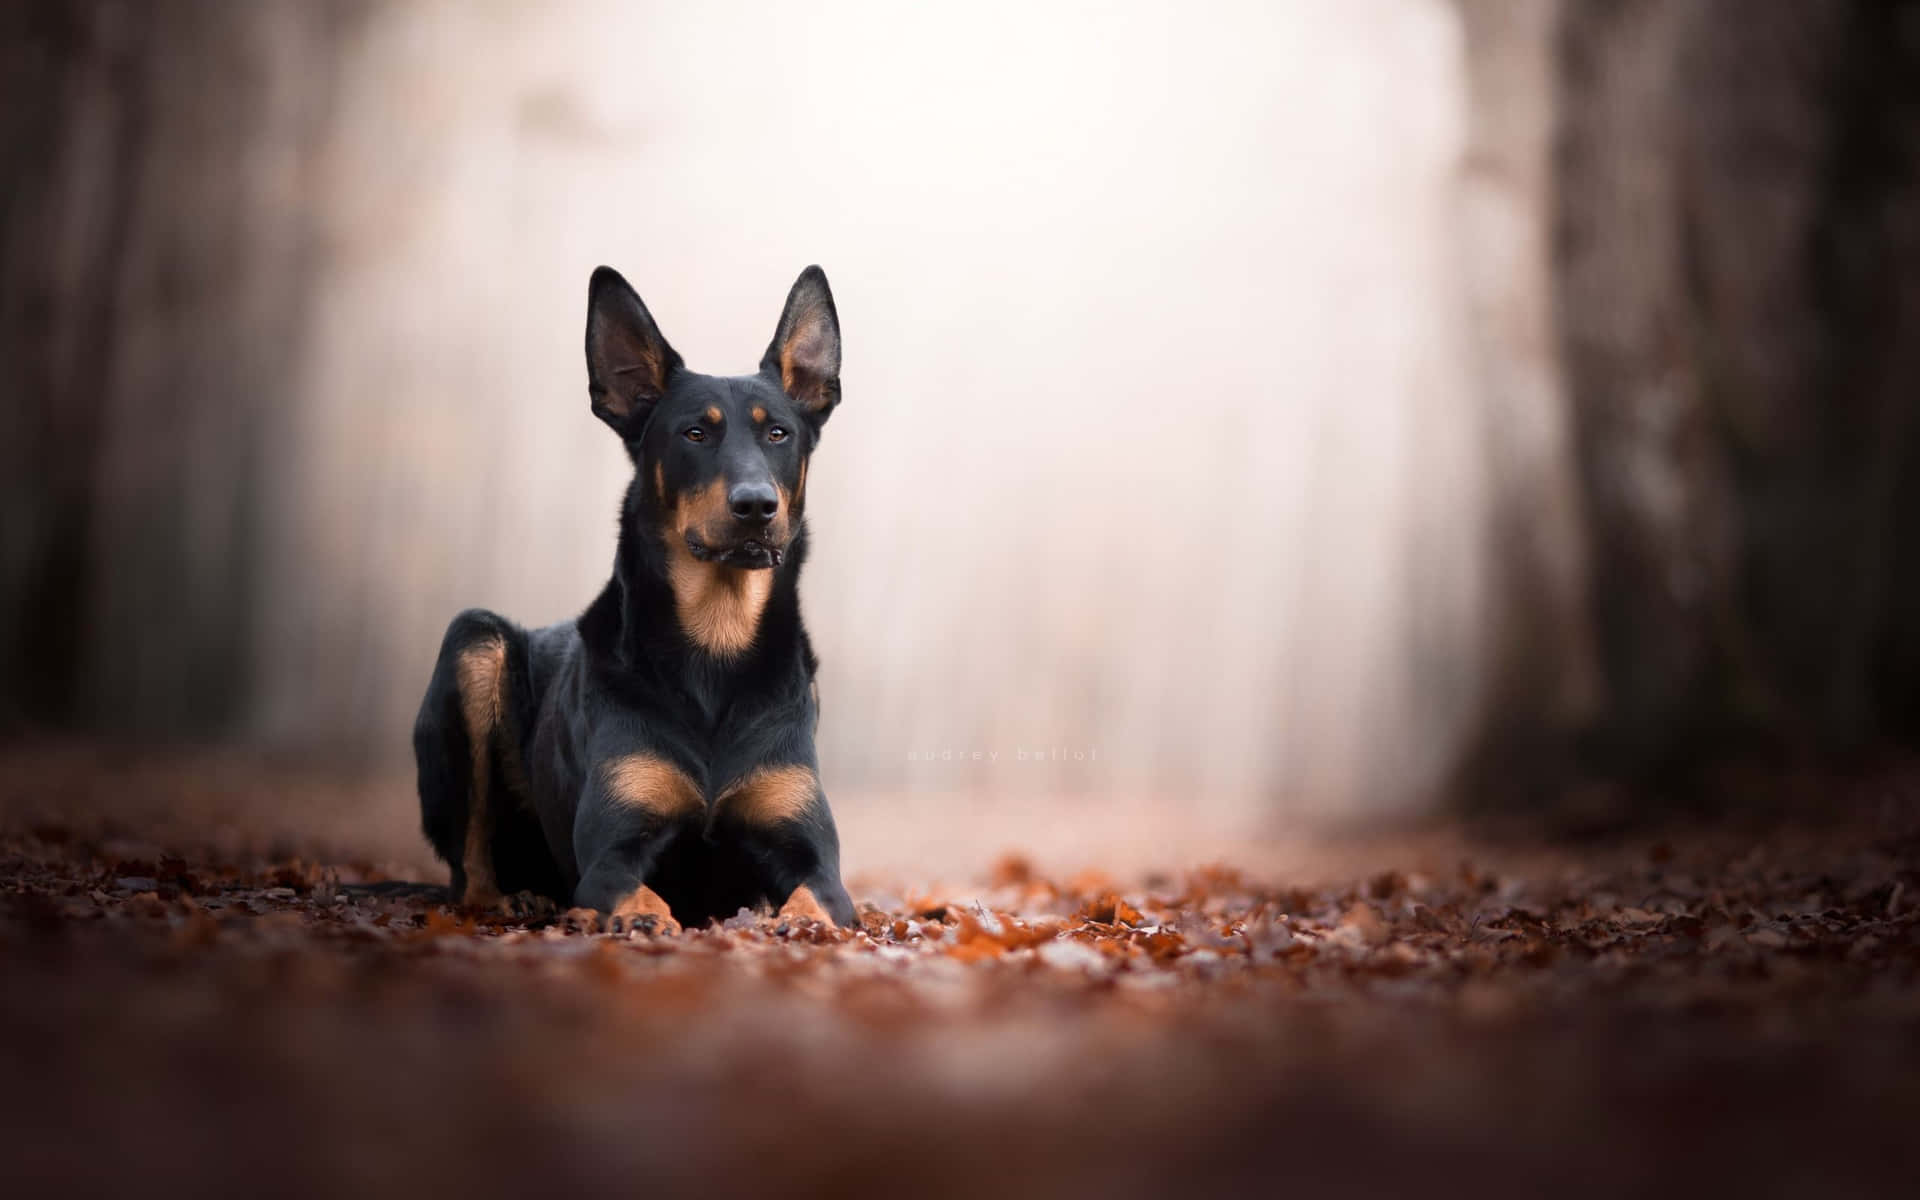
{"x": 719, "y": 608}
{"x": 666, "y": 613}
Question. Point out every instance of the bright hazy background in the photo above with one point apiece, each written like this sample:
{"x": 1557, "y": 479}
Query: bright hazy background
{"x": 1156, "y": 453}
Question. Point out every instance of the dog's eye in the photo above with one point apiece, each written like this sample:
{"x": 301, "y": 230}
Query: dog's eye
{"x": 776, "y": 434}
{"x": 696, "y": 434}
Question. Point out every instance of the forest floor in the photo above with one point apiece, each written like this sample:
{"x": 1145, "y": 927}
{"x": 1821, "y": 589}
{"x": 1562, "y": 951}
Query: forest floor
{"x": 210, "y": 986}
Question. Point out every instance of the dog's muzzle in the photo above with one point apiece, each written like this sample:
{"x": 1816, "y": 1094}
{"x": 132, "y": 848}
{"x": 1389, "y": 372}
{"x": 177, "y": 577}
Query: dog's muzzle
{"x": 750, "y": 554}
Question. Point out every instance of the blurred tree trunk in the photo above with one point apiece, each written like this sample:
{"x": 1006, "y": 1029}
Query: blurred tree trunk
{"x": 1735, "y": 204}
{"x": 73, "y": 127}
{"x": 155, "y": 245}
{"x": 1803, "y": 128}
{"x": 1541, "y": 682}
{"x": 1650, "y": 463}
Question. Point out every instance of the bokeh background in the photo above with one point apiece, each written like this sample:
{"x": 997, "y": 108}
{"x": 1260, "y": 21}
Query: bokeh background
{"x": 1265, "y": 415}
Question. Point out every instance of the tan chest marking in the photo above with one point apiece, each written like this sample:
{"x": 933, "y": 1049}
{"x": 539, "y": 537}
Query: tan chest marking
{"x": 771, "y": 795}
{"x": 644, "y": 782}
{"x": 719, "y": 607}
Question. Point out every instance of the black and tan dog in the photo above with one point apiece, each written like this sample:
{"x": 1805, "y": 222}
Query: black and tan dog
{"x": 654, "y": 759}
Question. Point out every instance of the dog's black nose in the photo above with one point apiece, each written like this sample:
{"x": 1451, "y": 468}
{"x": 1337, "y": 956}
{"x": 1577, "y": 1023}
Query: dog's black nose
{"x": 754, "y": 503}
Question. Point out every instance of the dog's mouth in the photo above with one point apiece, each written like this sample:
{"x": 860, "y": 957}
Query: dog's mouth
{"x": 750, "y": 554}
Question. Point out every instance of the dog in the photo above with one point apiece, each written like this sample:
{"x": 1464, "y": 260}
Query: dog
{"x": 654, "y": 759}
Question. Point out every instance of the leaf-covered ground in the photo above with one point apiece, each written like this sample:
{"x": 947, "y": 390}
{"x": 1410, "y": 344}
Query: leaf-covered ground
{"x": 215, "y": 1006}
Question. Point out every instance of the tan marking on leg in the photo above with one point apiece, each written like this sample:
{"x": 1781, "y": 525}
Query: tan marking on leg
{"x": 770, "y": 795}
{"x": 479, "y": 673}
{"x": 804, "y": 906}
{"x": 643, "y": 901}
{"x": 719, "y": 607}
{"x": 759, "y": 414}
{"x": 654, "y": 784}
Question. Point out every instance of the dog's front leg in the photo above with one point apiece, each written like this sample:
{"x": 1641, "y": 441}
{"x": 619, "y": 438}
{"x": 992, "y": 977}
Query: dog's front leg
{"x": 633, "y": 809}
{"x": 822, "y": 899}
{"x": 781, "y": 813}
{"x": 616, "y": 886}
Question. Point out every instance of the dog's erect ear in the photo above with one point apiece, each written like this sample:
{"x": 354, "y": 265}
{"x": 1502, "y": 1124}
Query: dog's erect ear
{"x": 628, "y": 362}
{"x": 805, "y": 353}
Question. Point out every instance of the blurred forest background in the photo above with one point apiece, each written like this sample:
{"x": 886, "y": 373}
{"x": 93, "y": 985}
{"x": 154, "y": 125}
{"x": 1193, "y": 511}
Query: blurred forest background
{"x": 1292, "y": 411}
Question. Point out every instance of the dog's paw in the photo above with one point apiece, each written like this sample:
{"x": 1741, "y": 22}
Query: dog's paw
{"x": 580, "y": 920}
{"x": 482, "y": 896}
{"x": 642, "y": 911}
{"x": 527, "y": 906}
{"x": 803, "y": 905}
{"x": 623, "y": 924}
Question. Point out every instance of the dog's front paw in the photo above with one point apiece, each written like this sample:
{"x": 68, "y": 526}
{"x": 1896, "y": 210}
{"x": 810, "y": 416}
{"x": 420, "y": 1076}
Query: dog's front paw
{"x": 527, "y": 906}
{"x": 650, "y": 923}
{"x": 803, "y": 905}
{"x": 580, "y": 920}
{"x": 482, "y": 896}
{"x": 642, "y": 911}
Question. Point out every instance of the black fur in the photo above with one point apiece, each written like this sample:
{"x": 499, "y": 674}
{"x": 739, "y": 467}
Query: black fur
{"x": 630, "y": 677}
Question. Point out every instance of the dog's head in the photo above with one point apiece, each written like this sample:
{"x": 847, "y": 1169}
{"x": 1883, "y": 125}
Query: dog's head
{"x": 720, "y": 463}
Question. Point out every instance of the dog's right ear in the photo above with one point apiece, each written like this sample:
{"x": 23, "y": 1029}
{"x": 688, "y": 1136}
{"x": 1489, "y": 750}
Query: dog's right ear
{"x": 628, "y": 362}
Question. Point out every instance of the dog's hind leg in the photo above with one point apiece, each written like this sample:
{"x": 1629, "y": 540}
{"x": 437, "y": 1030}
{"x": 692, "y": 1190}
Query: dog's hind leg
{"x": 465, "y": 746}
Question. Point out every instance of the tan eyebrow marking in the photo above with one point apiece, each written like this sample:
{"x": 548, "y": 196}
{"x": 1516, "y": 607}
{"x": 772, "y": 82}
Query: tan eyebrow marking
{"x": 714, "y": 416}
{"x": 759, "y": 414}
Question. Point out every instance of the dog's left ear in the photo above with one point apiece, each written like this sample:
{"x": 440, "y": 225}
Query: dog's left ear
{"x": 805, "y": 353}
{"x": 628, "y": 362}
